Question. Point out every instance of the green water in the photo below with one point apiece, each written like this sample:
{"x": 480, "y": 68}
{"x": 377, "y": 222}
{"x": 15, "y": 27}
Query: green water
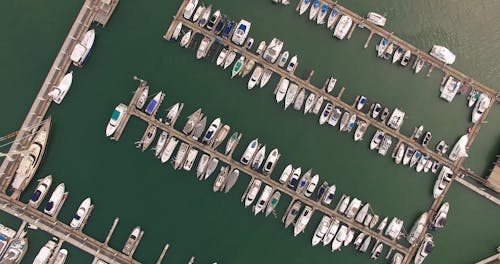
{"x": 172, "y": 206}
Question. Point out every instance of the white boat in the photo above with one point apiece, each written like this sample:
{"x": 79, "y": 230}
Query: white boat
{"x": 273, "y": 202}
{"x": 285, "y": 175}
{"x": 81, "y": 214}
{"x": 263, "y": 199}
{"x": 190, "y": 8}
{"x": 460, "y": 148}
{"x": 396, "y": 119}
{"x": 321, "y": 230}
{"x": 185, "y": 39}
{"x": 169, "y": 149}
{"x": 202, "y": 165}
{"x": 328, "y": 196}
{"x": 238, "y": 66}
{"x": 428, "y": 165}
{"x": 229, "y": 59}
{"x": 283, "y": 58}
{"x": 193, "y": 119}
{"x": 265, "y": 77}
{"x": 450, "y": 89}
{"x": 211, "y": 131}
{"x": 220, "y": 181}
{"x": 292, "y": 64}
{"x": 330, "y": 84}
{"x": 205, "y": 15}
{"x": 231, "y": 180}
{"x": 332, "y": 18}
{"x": 253, "y": 191}
{"x": 382, "y": 224}
{"x": 318, "y": 105}
{"x": 231, "y": 142}
{"x": 339, "y": 238}
{"x": 418, "y": 228}
{"x": 349, "y": 238}
{"x": 147, "y": 137}
{"x": 291, "y": 93}
{"x": 255, "y": 78}
{"x": 61, "y": 256}
{"x": 377, "y": 108}
{"x": 361, "y": 102}
{"x": 304, "y": 181}
{"x": 177, "y": 30}
{"x": 172, "y": 113}
{"x": 406, "y": 58}
{"x": 15, "y": 252}
{"x": 376, "y": 19}
{"x": 304, "y": 5}
{"x": 273, "y": 50}
{"x": 220, "y": 136}
{"x": 212, "y": 165}
{"x": 443, "y": 54}
{"x": 59, "y": 91}
{"x": 377, "y": 139}
{"x": 294, "y": 180}
{"x": 359, "y": 240}
{"x": 360, "y": 216}
{"x": 262, "y": 46}
{"x": 258, "y": 159}
{"x": 326, "y": 113}
{"x": 142, "y": 98}
{"x": 419, "y": 64}
{"x": 344, "y": 121}
{"x": 313, "y": 12}
{"x": 198, "y": 12}
{"x": 55, "y": 200}
{"x": 374, "y": 221}
{"x": 482, "y": 104}
{"x": 425, "y": 249}
{"x": 366, "y": 243}
{"x": 440, "y": 218}
{"x": 213, "y": 20}
{"x": 394, "y": 228}
{"x": 360, "y": 131}
{"x": 335, "y": 117}
{"x": 191, "y": 156}
{"x": 343, "y": 204}
{"x": 311, "y": 99}
{"x": 40, "y": 191}
{"x": 45, "y": 252}
{"x": 132, "y": 240}
{"x": 321, "y": 190}
{"x": 332, "y": 230}
{"x": 320, "y": 19}
{"x": 376, "y": 251}
{"x": 312, "y": 186}
{"x": 241, "y": 32}
{"x": 443, "y": 180}
{"x": 368, "y": 219}
{"x": 343, "y": 27}
{"x": 303, "y": 220}
{"x": 397, "y": 54}
{"x": 388, "y": 51}
{"x": 82, "y": 50}
{"x": 249, "y": 151}
{"x": 270, "y": 161}
{"x": 299, "y": 100}
{"x": 353, "y": 208}
{"x": 397, "y": 258}
{"x": 382, "y": 46}
{"x": 180, "y": 156}
{"x": 221, "y": 57}
{"x": 473, "y": 97}
{"x": 400, "y": 153}
{"x": 418, "y": 132}
{"x": 351, "y": 124}
{"x": 385, "y": 145}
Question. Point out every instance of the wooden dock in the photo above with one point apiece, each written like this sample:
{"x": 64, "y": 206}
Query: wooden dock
{"x": 317, "y": 206}
{"x": 336, "y": 100}
{"x": 89, "y": 11}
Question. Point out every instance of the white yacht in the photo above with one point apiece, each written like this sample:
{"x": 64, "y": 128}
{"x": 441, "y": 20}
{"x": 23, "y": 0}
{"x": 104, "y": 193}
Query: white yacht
{"x": 303, "y": 220}
{"x": 55, "y": 200}
{"x": 255, "y": 78}
{"x": 353, "y": 208}
{"x": 418, "y": 228}
{"x": 382, "y": 224}
{"x": 282, "y": 89}
{"x": 311, "y": 99}
{"x": 335, "y": 117}
{"x": 376, "y": 19}
{"x": 263, "y": 199}
{"x": 258, "y": 159}
{"x": 220, "y": 181}
{"x": 59, "y": 91}
{"x": 190, "y": 8}
{"x": 231, "y": 142}
{"x": 328, "y": 196}
{"x": 313, "y": 12}
{"x": 285, "y": 175}
{"x": 221, "y": 135}
{"x": 321, "y": 230}
{"x": 349, "y": 238}
{"x": 304, "y": 5}
{"x": 311, "y": 186}
{"x": 253, "y": 191}
{"x": 177, "y": 30}
{"x": 397, "y": 54}
{"x": 162, "y": 139}
{"x": 361, "y": 102}
{"x": 205, "y": 15}
{"x": 343, "y": 27}
{"x": 443, "y": 180}
{"x": 40, "y": 191}
{"x": 61, "y": 256}
{"x": 425, "y": 249}
{"x": 443, "y": 54}
{"x": 202, "y": 165}
{"x": 283, "y": 58}
{"x": 359, "y": 240}
{"x": 221, "y": 57}
{"x": 360, "y": 216}
{"x": 376, "y": 251}
{"x": 460, "y": 148}
{"x": 406, "y": 58}
{"x": 266, "y": 76}
{"x": 377, "y": 138}
{"x": 419, "y": 64}
{"x": 241, "y": 32}
{"x": 292, "y": 64}
{"x": 211, "y": 131}
{"x": 482, "y": 104}
{"x": 366, "y": 243}
{"x": 270, "y": 161}
{"x": 212, "y": 165}
{"x": 344, "y": 121}
{"x": 330, "y": 84}
{"x": 273, "y": 50}
{"x": 394, "y": 228}
{"x": 191, "y": 157}
{"x": 294, "y": 180}
{"x": 332, "y": 18}
{"x": 360, "y": 130}
{"x": 382, "y": 46}
{"x": 450, "y": 88}
{"x": 343, "y": 204}
{"x": 320, "y": 19}
{"x": 203, "y": 48}
{"x": 262, "y": 46}
{"x": 249, "y": 151}
{"x": 291, "y": 93}
{"x": 326, "y": 113}
{"x": 186, "y": 38}
{"x": 385, "y": 145}
{"x": 81, "y": 213}
{"x": 229, "y": 59}
{"x": 198, "y": 12}
{"x": 400, "y": 153}
{"x": 15, "y": 252}
{"x": 180, "y": 156}
{"x": 169, "y": 149}
{"x": 339, "y": 238}
{"x": 332, "y": 230}
{"x": 142, "y": 98}
{"x": 82, "y": 50}
{"x": 45, "y": 252}
{"x": 440, "y": 218}
{"x": 132, "y": 240}
{"x": 231, "y": 180}
{"x": 318, "y": 104}
{"x": 473, "y": 97}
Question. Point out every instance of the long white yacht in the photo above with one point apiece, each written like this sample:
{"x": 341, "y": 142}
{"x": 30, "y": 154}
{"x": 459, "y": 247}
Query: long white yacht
{"x": 132, "y": 240}
{"x": 190, "y": 8}
{"x": 59, "y": 91}
{"x": 444, "y": 178}
{"x": 252, "y": 193}
{"x": 203, "y": 48}
{"x": 61, "y": 256}
{"x": 321, "y": 230}
{"x": 303, "y": 220}
{"x": 291, "y": 93}
{"x": 326, "y": 113}
{"x": 304, "y": 5}
{"x": 460, "y": 148}
{"x": 45, "y": 252}
{"x": 339, "y": 238}
{"x": 259, "y": 158}
{"x": 425, "y": 249}
{"x": 394, "y": 228}
{"x": 241, "y": 32}
{"x": 285, "y": 175}
{"x": 263, "y": 199}
{"x": 343, "y": 27}
{"x": 40, "y": 191}
{"x": 482, "y": 104}
{"x": 440, "y": 218}
{"x": 82, "y": 50}
{"x": 55, "y": 200}
{"x": 255, "y": 78}
{"x": 332, "y": 230}
{"x": 418, "y": 228}
{"x": 270, "y": 161}
{"x": 81, "y": 213}
{"x": 353, "y": 208}
{"x": 190, "y": 158}
{"x": 169, "y": 149}
{"x": 282, "y": 89}
{"x": 443, "y": 54}
{"x": 211, "y": 131}
{"x": 273, "y": 50}
{"x": 249, "y": 151}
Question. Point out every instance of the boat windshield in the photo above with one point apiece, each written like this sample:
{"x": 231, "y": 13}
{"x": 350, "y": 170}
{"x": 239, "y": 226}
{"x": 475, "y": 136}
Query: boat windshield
{"x": 115, "y": 115}
{"x": 49, "y": 206}
{"x": 36, "y": 195}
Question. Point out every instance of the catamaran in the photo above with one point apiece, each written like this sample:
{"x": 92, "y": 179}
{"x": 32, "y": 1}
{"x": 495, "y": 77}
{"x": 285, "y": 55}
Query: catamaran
{"x": 343, "y": 27}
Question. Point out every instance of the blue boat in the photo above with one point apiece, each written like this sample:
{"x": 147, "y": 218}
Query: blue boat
{"x": 228, "y": 30}
{"x": 154, "y": 104}
{"x": 220, "y": 26}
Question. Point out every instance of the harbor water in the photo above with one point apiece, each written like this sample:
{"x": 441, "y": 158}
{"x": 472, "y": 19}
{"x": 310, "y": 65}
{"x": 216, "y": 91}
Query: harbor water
{"x": 173, "y": 206}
